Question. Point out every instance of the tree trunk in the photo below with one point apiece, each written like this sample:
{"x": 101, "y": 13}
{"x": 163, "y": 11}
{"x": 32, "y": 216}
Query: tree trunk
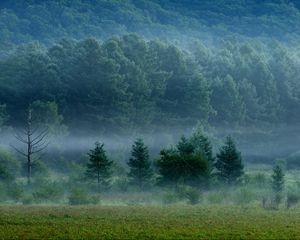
{"x": 29, "y": 147}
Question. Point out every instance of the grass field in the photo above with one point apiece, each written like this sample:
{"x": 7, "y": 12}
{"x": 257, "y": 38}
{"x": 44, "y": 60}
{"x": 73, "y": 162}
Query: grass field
{"x": 145, "y": 222}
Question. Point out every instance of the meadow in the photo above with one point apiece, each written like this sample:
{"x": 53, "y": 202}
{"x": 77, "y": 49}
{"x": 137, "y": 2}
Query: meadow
{"x": 147, "y": 222}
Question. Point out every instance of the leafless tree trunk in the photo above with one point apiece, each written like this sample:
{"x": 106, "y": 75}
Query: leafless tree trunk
{"x": 35, "y": 140}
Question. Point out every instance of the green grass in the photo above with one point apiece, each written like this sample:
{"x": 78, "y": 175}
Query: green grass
{"x": 133, "y": 222}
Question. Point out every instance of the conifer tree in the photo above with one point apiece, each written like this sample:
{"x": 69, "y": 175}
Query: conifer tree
{"x": 185, "y": 146}
{"x": 140, "y": 166}
{"x": 278, "y": 179}
{"x": 202, "y": 145}
{"x": 99, "y": 166}
{"x": 229, "y": 163}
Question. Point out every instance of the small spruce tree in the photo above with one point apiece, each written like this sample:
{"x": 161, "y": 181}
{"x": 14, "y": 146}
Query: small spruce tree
{"x": 185, "y": 146}
{"x": 229, "y": 163}
{"x": 99, "y": 167}
{"x": 202, "y": 145}
{"x": 278, "y": 179}
{"x": 140, "y": 166}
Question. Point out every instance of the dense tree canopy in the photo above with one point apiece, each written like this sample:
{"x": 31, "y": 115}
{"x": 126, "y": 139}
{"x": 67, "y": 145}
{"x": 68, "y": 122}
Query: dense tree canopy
{"x": 22, "y": 21}
{"x": 128, "y": 83}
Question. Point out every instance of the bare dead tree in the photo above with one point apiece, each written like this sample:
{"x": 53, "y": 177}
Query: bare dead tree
{"x": 35, "y": 139}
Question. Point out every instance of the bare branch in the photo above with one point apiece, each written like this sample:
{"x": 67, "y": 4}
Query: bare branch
{"x": 21, "y": 139}
{"x": 42, "y": 144}
{"x": 39, "y": 140}
{"x": 19, "y": 151}
{"x": 41, "y": 149}
{"x": 44, "y": 133}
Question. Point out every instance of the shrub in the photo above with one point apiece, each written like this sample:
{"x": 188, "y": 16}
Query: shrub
{"x": 95, "y": 199}
{"x": 260, "y": 179}
{"x": 78, "y": 197}
{"x": 27, "y": 200}
{"x": 292, "y": 199}
{"x": 271, "y": 201}
{"x": 15, "y": 192}
{"x": 170, "y": 198}
{"x": 243, "y": 197}
{"x": 9, "y": 166}
{"x": 193, "y": 196}
{"x": 121, "y": 184}
{"x": 81, "y": 197}
{"x": 216, "y": 197}
{"x": 49, "y": 192}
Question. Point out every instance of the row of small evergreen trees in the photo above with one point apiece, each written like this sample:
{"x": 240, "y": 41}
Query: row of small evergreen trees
{"x": 190, "y": 162}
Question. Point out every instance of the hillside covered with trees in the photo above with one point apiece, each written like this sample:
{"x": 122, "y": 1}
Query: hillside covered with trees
{"x": 102, "y": 67}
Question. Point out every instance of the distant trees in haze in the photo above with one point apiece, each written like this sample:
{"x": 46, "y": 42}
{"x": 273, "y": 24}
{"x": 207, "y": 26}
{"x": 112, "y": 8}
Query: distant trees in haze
{"x": 126, "y": 84}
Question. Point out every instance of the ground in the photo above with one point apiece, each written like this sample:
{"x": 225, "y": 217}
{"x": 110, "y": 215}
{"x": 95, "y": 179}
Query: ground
{"x": 147, "y": 222}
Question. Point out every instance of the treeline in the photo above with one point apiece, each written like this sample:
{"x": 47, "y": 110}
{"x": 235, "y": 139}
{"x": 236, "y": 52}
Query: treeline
{"x": 180, "y": 173}
{"x": 48, "y": 21}
{"x": 191, "y": 163}
{"x": 129, "y": 84}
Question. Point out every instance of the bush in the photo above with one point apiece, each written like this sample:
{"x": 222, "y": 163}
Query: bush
{"x": 193, "y": 196}
{"x": 38, "y": 168}
{"x": 27, "y": 200}
{"x": 271, "y": 201}
{"x": 243, "y": 197}
{"x": 292, "y": 199}
{"x": 15, "y": 192}
{"x": 260, "y": 179}
{"x": 9, "y": 166}
{"x": 121, "y": 184}
{"x": 95, "y": 199}
{"x": 81, "y": 197}
{"x": 170, "y": 198}
{"x": 50, "y": 192}
{"x": 78, "y": 197}
{"x": 216, "y": 197}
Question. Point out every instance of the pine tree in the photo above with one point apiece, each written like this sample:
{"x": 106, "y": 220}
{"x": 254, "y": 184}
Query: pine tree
{"x": 185, "y": 146}
{"x": 140, "y": 166}
{"x": 229, "y": 163}
{"x": 99, "y": 166}
{"x": 202, "y": 145}
{"x": 277, "y": 179}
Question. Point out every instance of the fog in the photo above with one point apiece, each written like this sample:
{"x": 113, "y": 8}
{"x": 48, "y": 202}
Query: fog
{"x": 211, "y": 89}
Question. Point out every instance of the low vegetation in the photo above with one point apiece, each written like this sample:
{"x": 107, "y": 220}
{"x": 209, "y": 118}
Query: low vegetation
{"x": 139, "y": 222}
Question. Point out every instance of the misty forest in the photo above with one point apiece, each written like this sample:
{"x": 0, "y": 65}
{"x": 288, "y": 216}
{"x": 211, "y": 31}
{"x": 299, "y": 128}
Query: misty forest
{"x": 146, "y": 119}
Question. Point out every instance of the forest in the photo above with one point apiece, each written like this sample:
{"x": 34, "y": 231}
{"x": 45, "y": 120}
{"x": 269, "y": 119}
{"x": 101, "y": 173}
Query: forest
{"x": 150, "y": 110}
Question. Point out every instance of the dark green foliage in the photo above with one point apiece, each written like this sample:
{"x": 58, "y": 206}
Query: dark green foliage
{"x": 9, "y": 166}
{"x": 24, "y": 21}
{"x": 134, "y": 84}
{"x": 278, "y": 179}
{"x": 202, "y": 145}
{"x": 185, "y": 147}
{"x": 99, "y": 167}
{"x": 229, "y": 163}
{"x": 193, "y": 196}
{"x": 38, "y": 167}
{"x": 292, "y": 199}
{"x": 140, "y": 167}
{"x": 182, "y": 165}
{"x": 50, "y": 192}
{"x": 81, "y": 197}
{"x": 78, "y": 197}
